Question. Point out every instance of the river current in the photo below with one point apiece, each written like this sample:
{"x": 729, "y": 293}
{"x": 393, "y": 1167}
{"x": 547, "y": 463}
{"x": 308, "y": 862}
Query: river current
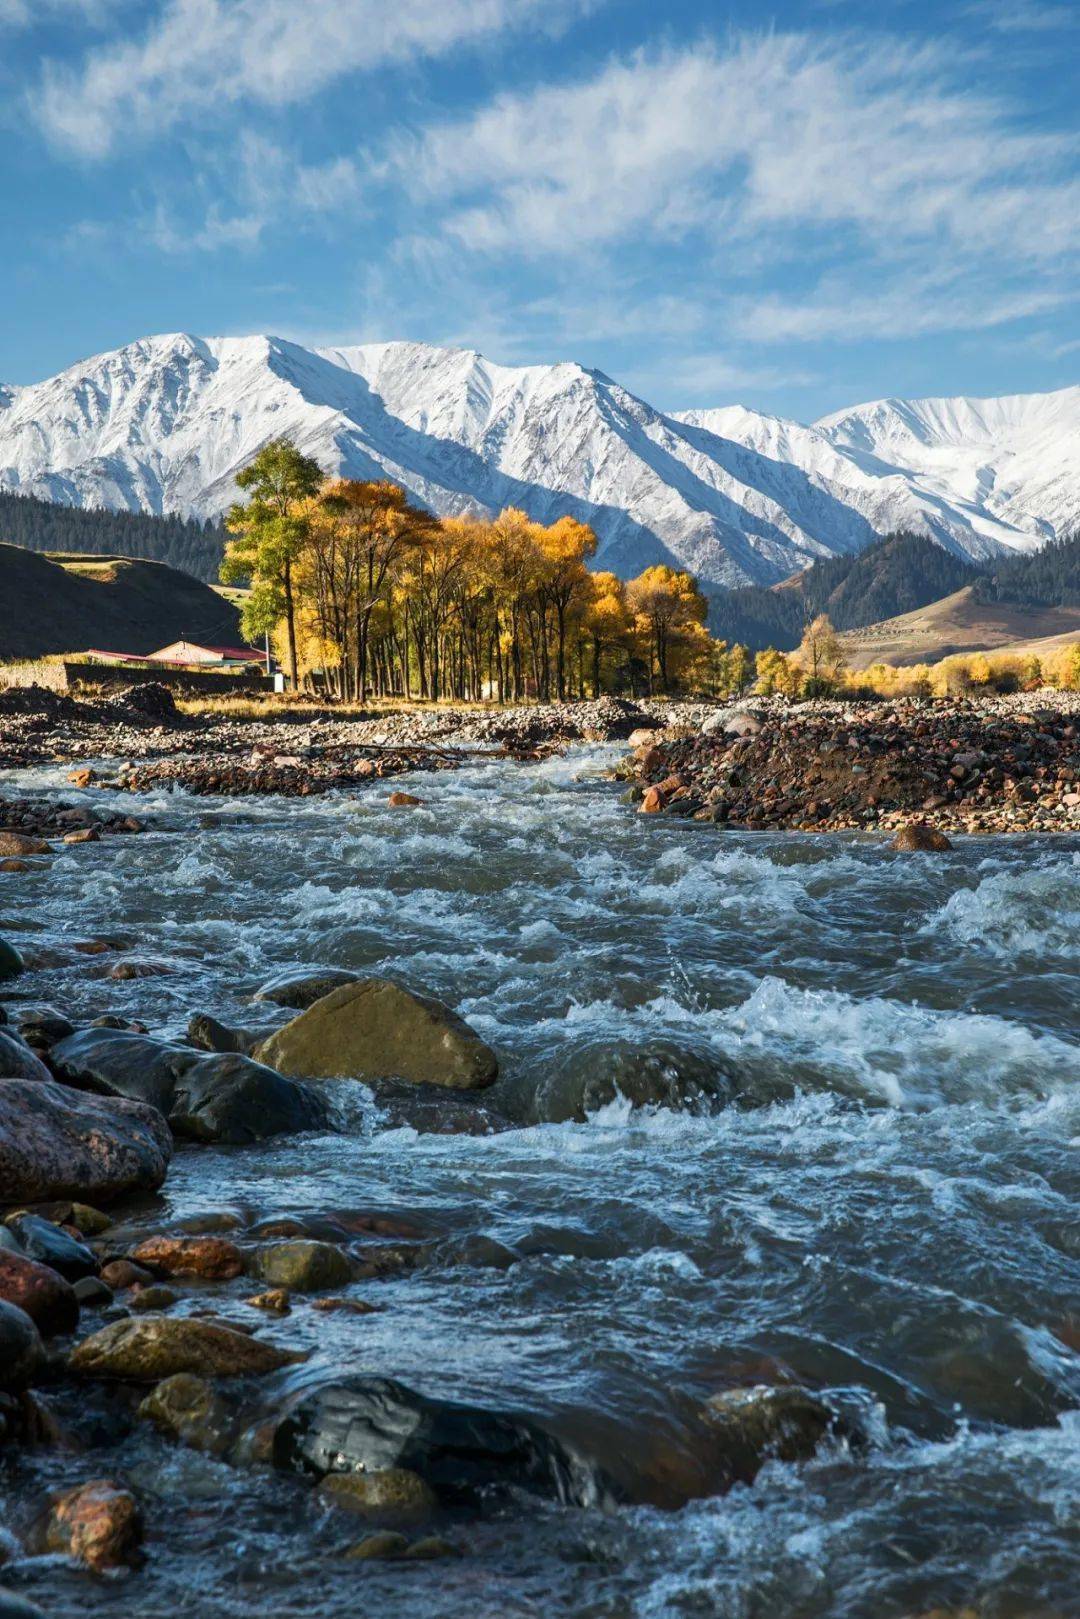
{"x": 883, "y": 1207}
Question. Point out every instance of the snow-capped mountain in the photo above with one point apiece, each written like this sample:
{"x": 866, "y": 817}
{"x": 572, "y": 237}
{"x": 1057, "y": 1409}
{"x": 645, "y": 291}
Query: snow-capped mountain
{"x": 164, "y": 424}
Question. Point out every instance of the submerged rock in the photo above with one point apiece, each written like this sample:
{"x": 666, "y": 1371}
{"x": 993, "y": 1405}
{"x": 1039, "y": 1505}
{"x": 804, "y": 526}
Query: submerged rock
{"x": 751, "y": 1426}
{"x": 918, "y": 838}
{"x": 207, "y": 1034}
{"x": 590, "y": 1078}
{"x": 372, "y": 1424}
{"x": 154, "y": 1347}
{"x": 189, "y": 1409}
{"x": 219, "y": 1097}
{"x": 385, "y": 1543}
{"x": 375, "y": 1029}
{"x": 389, "y": 1492}
{"x": 56, "y": 1143}
{"x": 40, "y": 1291}
{"x": 301, "y": 990}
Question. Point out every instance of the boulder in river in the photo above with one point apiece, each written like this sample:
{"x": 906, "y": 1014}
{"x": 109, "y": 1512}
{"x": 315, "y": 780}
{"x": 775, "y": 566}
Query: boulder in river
{"x": 389, "y": 1492}
{"x": 17, "y": 1061}
{"x": 916, "y": 837}
{"x": 189, "y": 1409}
{"x": 302, "y": 1265}
{"x": 371, "y": 1424}
{"x": 42, "y": 1292}
{"x": 207, "y": 1034}
{"x": 205, "y": 1097}
{"x": 154, "y": 1347}
{"x": 56, "y": 1143}
{"x": 589, "y": 1077}
{"x": 215, "y": 1259}
{"x": 376, "y": 1029}
{"x": 21, "y": 1353}
{"x": 301, "y": 990}
{"x": 751, "y": 1426}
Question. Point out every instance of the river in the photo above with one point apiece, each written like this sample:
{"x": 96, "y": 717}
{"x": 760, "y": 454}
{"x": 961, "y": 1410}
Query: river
{"x": 881, "y": 1204}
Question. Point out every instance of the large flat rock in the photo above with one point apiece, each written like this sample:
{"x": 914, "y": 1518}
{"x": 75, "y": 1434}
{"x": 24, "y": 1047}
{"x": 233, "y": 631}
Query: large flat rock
{"x": 56, "y": 1142}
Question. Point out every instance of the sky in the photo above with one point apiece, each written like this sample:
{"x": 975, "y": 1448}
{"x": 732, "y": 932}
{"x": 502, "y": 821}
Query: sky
{"x": 797, "y": 208}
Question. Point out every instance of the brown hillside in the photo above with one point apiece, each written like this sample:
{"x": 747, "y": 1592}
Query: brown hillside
{"x": 960, "y": 623}
{"x": 69, "y": 602}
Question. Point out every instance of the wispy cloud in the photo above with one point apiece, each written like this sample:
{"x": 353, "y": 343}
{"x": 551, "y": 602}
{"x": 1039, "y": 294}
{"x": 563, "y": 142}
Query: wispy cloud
{"x": 198, "y": 56}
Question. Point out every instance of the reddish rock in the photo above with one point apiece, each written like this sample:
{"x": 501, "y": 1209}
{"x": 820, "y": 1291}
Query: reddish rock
{"x": 212, "y": 1258}
{"x": 85, "y": 834}
{"x": 403, "y": 800}
{"x": 18, "y": 843}
{"x": 652, "y": 802}
{"x": 18, "y": 865}
{"x": 98, "y": 1524}
{"x": 45, "y": 1296}
{"x": 138, "y": 969}
{"x": 58, "y": 1142}
{"x": 83, "y": 777}
{"x": 918, "y": 838}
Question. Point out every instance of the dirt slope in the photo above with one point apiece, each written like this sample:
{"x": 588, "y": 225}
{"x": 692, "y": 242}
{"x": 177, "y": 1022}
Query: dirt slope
{"x": 960, "y": 623}
{"x": 67, "y": 602}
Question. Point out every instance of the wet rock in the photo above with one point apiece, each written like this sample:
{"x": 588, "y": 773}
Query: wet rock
{"x": 92, "y": 1293}
{"x": 13, "y": 1606}
{"x": 22, "y": 1355}
{"x": 40, "y": 1291}
{"x": 42, "y": 1026}
{"x": 224, "y": 1097}
{"x": 52, "y": 1246}
{"x": 207, "y": 1034}
{"x": 18, "y": 843}
{"x": 751, "y": 1426}
{"x": 301, "y": 990}
{"x": 345, "y": 1306}
{"x": 591, "y": 1077}
{"x": 98, "y": 1524}
{"x": 124, "y": 971}
{"x": 155, "y": 1347}
{"x": 430, "y": 1548}
{"x": 11, "y": 963}
{"x": 918, "y": 838}
{"x": 121, "y": 1273}
{"x": 403, "y": 801}
{"x": 90, "y": 1221}
{"x": 276, "y": 1300}
{"x": 375, "y": 1029}
{"x": 189, "y": 1409}
{"x": 215, "y": 1259}
{"x": 302, "y": 1265}
{"x": 370, "y": 1424}
{"x": 153, "y": 1298}
{"x": 384, "y": 1544}
{"x": 85, "y": 834}
{"x": 56, "y": 1143}
{"x": 392, "y": 1492}
{"x": 17, "y": 1061}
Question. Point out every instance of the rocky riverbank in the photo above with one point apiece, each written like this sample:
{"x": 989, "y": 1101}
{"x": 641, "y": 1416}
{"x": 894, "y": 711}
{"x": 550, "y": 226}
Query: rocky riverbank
{"x": 998, "y": 765}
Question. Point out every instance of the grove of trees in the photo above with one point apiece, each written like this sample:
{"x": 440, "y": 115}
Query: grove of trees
{"x": 364, "y": 592}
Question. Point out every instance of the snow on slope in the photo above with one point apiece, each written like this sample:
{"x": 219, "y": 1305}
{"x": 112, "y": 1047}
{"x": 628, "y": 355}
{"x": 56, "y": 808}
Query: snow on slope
{"x": 164, "y": 424}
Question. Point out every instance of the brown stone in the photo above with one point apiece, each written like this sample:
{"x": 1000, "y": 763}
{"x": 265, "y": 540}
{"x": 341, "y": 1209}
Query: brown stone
{"x": 387, "y": 1492}
{"x": 652, "y": 802}
{"x": 916, "y": 837}
{"x": 346, "y": 1306}
{"x": 213, "y": 1258}
{"x": 153, "y": 1347}
{"x": 121, "y": 1273}
{"x": 403, "y": 800}
{"x": 138, "y": 969}
{"x": 83, "y": 777}
{"x": 99, "y": 1524}
{"x": 85, "y": 834}
{"x": 19, "y": 843}
{"x": 17, "y": 865}
{"x": 275, "y": 1299}
{"x": 46, "y": 1297}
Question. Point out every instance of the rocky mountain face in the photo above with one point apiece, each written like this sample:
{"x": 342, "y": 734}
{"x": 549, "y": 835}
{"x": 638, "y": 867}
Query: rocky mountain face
{"x": 164, "y": 424}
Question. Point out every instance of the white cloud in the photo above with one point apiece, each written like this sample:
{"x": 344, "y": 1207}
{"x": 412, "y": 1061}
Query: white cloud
{"x": 199, "y": 55}
{"x": 773, "y": 134}
{"x": 913, "y": 307}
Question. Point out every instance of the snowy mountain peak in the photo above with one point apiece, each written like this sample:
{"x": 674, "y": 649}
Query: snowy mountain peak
{"x": 165, "y": 423}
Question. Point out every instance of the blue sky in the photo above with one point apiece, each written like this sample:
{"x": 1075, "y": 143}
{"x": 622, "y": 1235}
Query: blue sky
{"x": 798, "y": 208}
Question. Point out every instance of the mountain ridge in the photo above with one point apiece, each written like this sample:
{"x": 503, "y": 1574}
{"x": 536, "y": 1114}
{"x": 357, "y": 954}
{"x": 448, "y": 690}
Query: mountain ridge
{"x": 739, "y": 497}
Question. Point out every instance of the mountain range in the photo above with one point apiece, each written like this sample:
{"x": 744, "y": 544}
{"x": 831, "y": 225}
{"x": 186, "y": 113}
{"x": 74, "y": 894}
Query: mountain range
{"x": 738, "y": 497}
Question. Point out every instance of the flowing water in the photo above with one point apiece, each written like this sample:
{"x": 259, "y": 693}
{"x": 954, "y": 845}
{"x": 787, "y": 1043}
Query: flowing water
{"x": 882, "y": 1208}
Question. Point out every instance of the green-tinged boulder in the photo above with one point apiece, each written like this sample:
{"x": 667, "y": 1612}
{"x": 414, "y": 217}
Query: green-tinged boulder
{"x": 155, "y": 1347}
{"x": 750, "y": 1426}
{"x": 302, "y": 1265}
{"x": 384, "y": 1543}
{"x": 376, "y": 1029}
{"x": 391, "y": 1492}
{"x": 189, "y": 1409}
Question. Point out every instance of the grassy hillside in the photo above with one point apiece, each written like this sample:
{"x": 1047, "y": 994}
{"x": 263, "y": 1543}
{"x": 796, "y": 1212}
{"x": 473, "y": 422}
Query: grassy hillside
{"x": 899, "y": 574}
{"x": 38, "y": 525}
{"x": 962, "y": 622}
{"x": 70, "y": 602}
